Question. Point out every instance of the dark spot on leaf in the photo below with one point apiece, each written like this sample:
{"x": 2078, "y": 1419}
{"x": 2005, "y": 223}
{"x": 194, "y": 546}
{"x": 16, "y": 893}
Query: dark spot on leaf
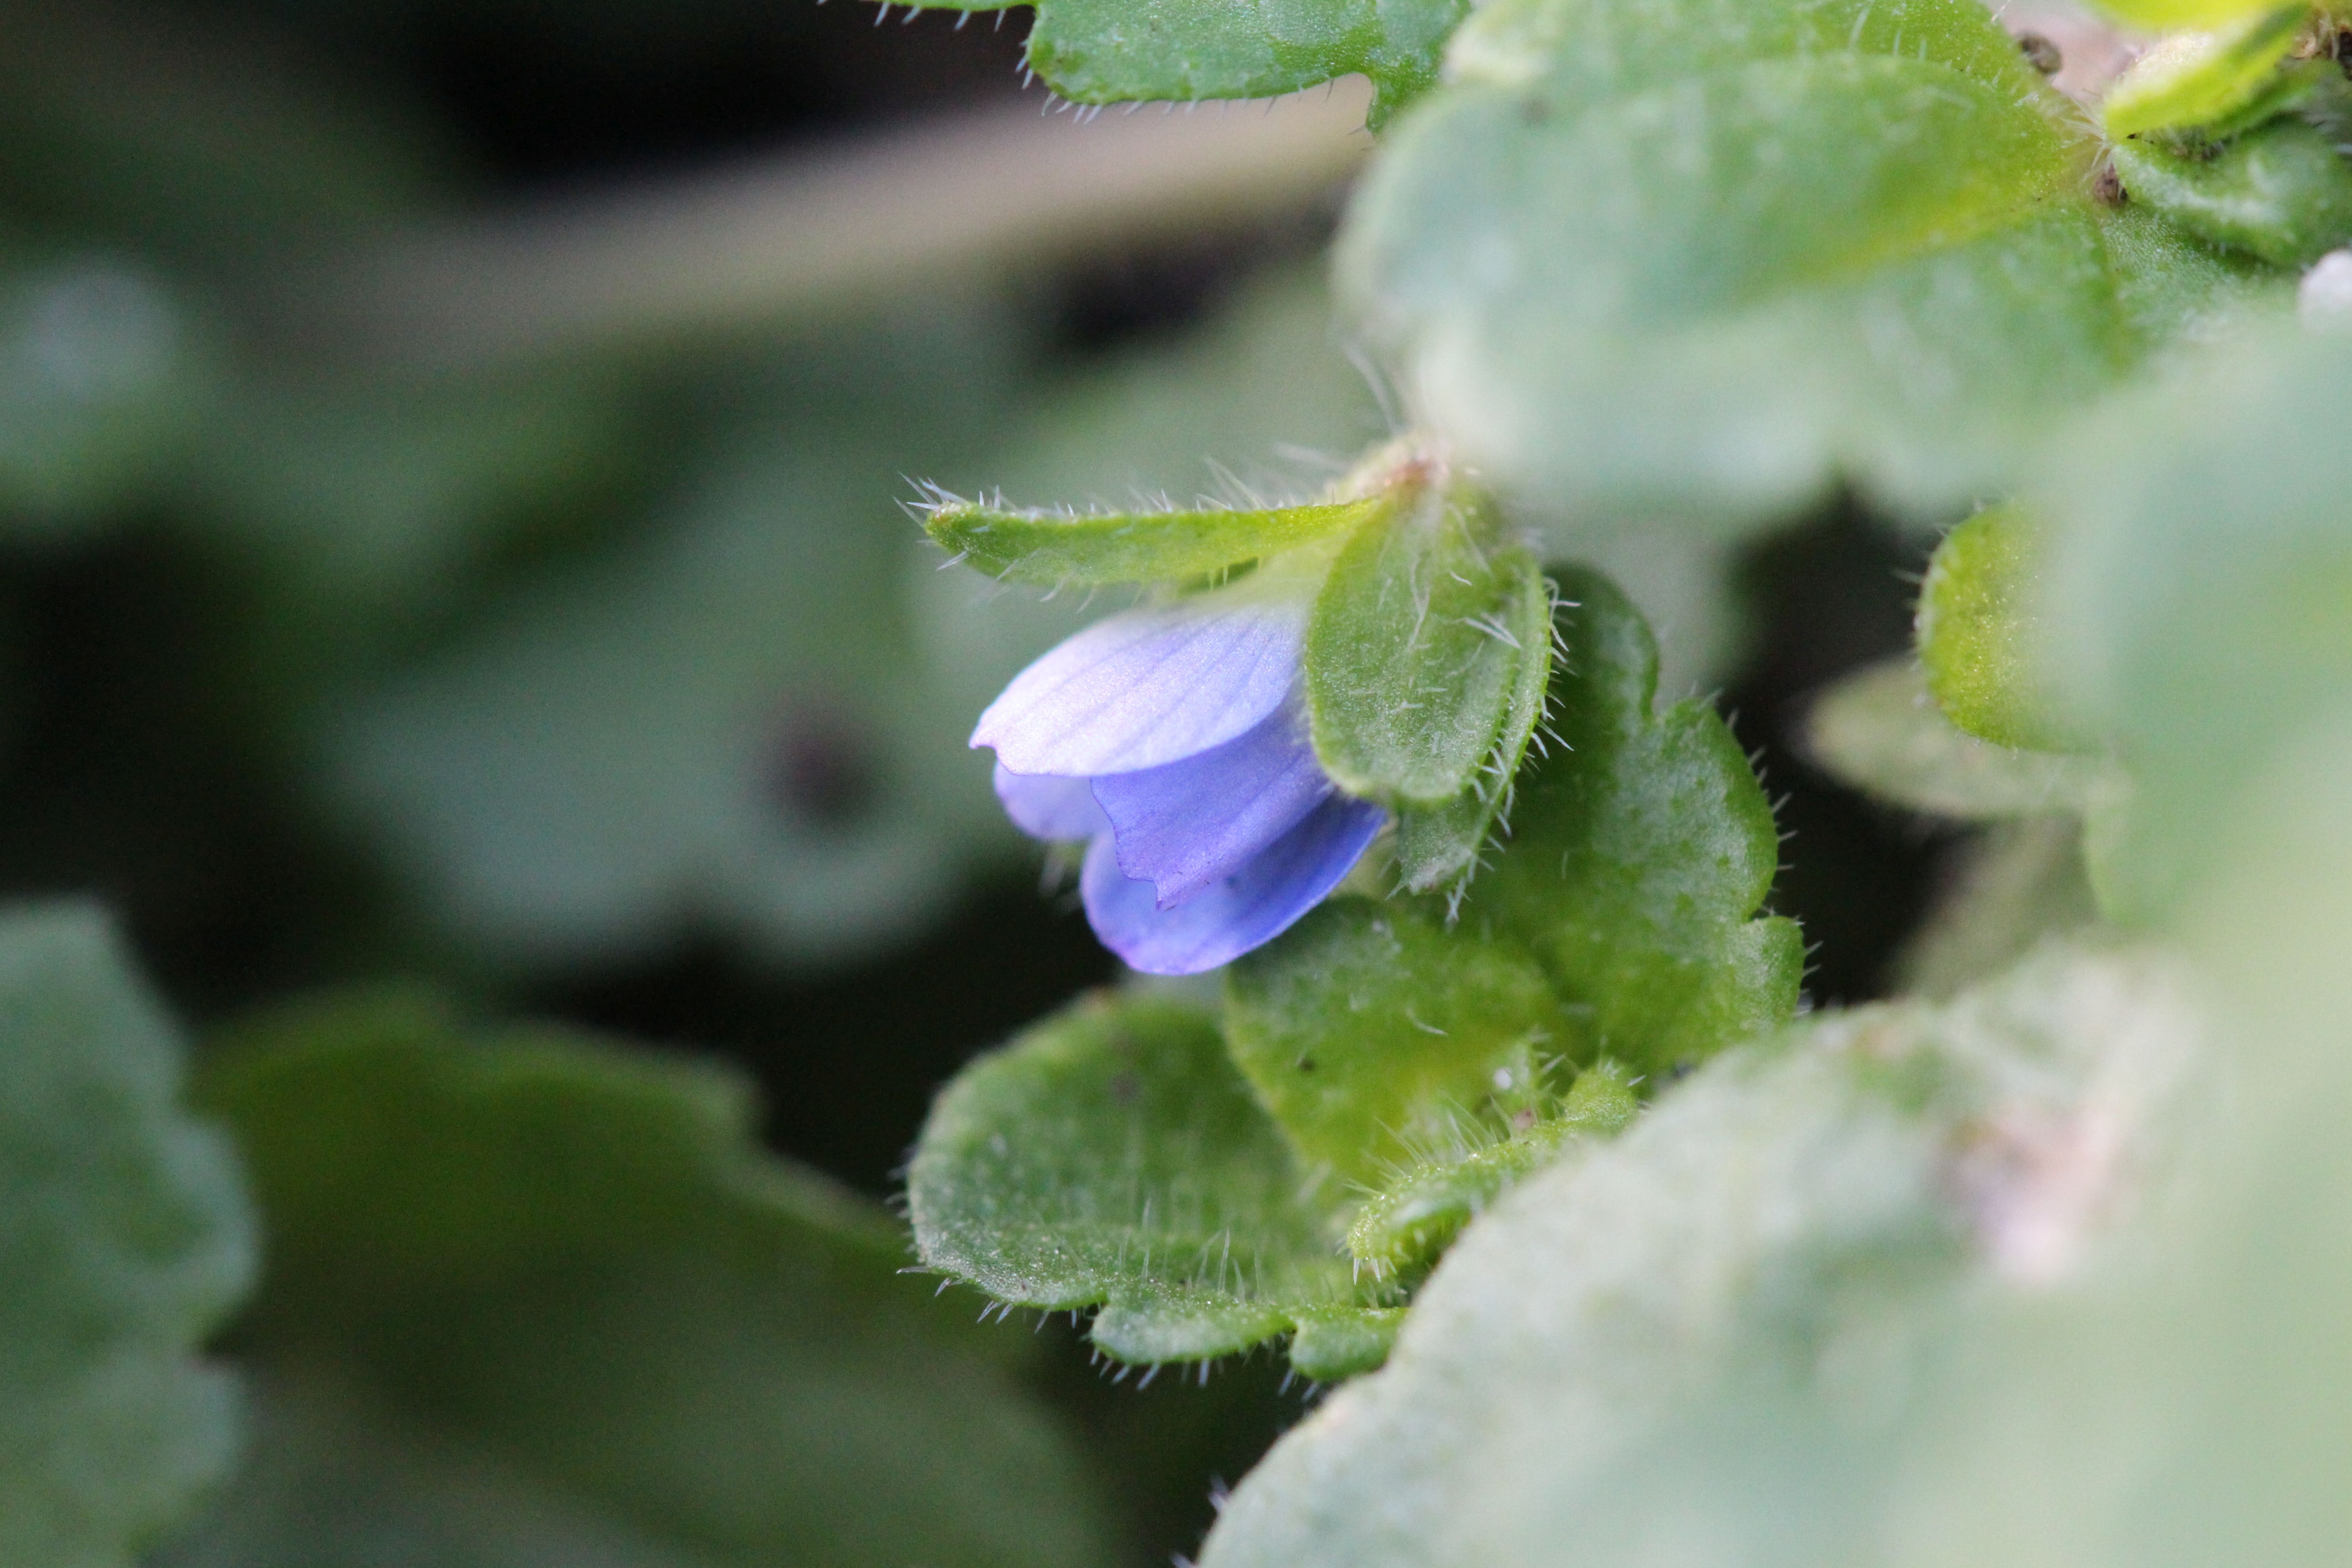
{"x": 1307, "y": 1064}
{"x": 2107, "y": 186}
{"x": 1124, "y": 1088}
{"x": 2040, "y": 53}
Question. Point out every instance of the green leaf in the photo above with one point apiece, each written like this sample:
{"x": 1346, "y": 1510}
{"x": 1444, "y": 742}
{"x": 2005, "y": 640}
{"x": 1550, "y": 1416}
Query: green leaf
{"x": 1639, "y": 849}
{"x": 2163, "y": 15}
{"x": 2281, "y": 192}
{"x": 2018, "y": 884}
{"x": 1700, "y": 260}
{"x": 124, "y": 1240}
{"x": 1127, "y": 546}
{"x": 1420, "y": 647}
{"x": 1375, "y": 1035}
{"x": 1712, "y": 1340}
{"x": 1883, "y": 731}
{"x": 1112, "y": 51}
{"x": 1113, "y": 1156}
{"x": 571, "y": 1261}
{"x": 1415, "y": 1216}
{"x": 1979, "y": 633}
{"x": 2218, "y": 82}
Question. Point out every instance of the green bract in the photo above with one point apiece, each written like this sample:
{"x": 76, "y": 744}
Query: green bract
{"x": 124, "y": 1240}
{"x": 1421, "y": 647}
{"x": 1127, "y": 547}
{"x": 1111, "y": 51}
{"x": 2282, "y": 192}
{"x": 533, "y": 1299}
{"x": 1980, "y": 636}
{"x": 1702, "y": 260}
{"x": 1709, "y": 1342}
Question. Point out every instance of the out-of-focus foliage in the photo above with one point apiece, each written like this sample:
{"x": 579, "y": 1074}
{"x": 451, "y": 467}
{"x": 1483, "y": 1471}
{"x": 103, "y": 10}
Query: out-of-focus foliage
{"x": 124, "y": 1239}
{"x": 534, "y": 1299}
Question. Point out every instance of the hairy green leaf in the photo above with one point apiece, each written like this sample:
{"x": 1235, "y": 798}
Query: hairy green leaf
{"x": 1375, "y": 1035}
{"x": 2218, "y": 82}
{"x": 1883, "y": 731}
{"x": 1693, "y": 258}
{"x": 2281, "y": 192}
{"x": 1979, "y": 633}
{"x": 1419, "y": 649}
{"x": 2163, "y": 15}
{"x": 1129, "y": 546}
{"x": 1112, "y": 51}
{"x": 1709, "y": 1341}
{"x": 1416, "y": 1213}
{"x": 1639, "y": 847}
{"x": 573, "y": 1262}
{"x": 124, "y": 1240}
{"x": 1113, "y": 1156}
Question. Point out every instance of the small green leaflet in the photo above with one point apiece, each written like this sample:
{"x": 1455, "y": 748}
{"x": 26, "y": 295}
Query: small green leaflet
{"x": 1421, "y": 647}
{"x": 1089, "y": 548}
{"x": 1677, "y": 258}
{"x": 2281, "y": 192}
{"x": 1112, "y": 51}
{"x": 125, "y": 1239}
{"x": 525, "y": 1286}
{"x": 1113, "y": 1157}
{"x": 1882, "y": 731}
{"x": 1979, "y": 633}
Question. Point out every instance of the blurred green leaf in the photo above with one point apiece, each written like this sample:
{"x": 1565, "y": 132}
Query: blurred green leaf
{"x": 2020, "y": 882}
{"x": 1702, "y": 261}
{"x": 1704, "y": 1342}
{"x": 1421, "y": 638}
{"x": 532, "y": 1295}
{"x": 1639, "y": 849}
{"x": 124, "y": 1240}
{"x": 2164, "y": 14}
{"x": 1112, "y": 1156}
{"x": 1979, "y": 629}
{"x": 2219, "y": 82}
{"x": 1103, "y": 51}
{"x": 2282, "y": 192}
{"x": 1372, "y": 1034}
{"x": 1883, "y": 731}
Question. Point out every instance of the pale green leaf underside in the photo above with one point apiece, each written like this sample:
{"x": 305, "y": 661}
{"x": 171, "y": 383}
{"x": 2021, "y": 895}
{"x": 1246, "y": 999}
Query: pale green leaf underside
{"x": 1113, "y": 1156}
{"x": 124, "y": 1240}
{"x": 525, "y": 1276}
{"x": 1704, "y": 1342}
{"x": 1882, "y": 731}
{"x": 1417, "y": 649}
{"x": 1639, "y": 850}
{"x": 1689, "y": 257}
{"x": 1129, "y": 547}
{"x": 1111, "y": 51}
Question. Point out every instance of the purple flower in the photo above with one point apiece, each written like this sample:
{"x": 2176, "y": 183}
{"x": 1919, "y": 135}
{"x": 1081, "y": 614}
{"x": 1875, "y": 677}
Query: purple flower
{"x": 1174, "y": 739}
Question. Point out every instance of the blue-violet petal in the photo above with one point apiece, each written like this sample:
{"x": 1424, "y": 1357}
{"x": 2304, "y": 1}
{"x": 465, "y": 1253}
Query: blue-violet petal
{"x": 1192, "y": 822}
{"x": 1244, "y": 910}
{"x": 1044, "y": 806}
{"x": 1148, "y": 686}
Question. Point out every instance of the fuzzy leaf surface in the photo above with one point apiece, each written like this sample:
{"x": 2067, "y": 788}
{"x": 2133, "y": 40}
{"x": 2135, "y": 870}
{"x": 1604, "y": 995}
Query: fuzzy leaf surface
{"x": 529, "y": 1294}
{"x": 1374, "y": 1036}
{"x": 2217, "y": 81}
{"x": 1112, "y": 1156}
{"x": 1698, "y": 259}
{"x": 1419, "y": 646}
{"x": 1129, "y": 547}
{"x": 125, "y": 1238}
{"x": 1640, "y": 848}
{"x": 1706, "y": 1342}
{"x": 1114, "y": 52}
{"x": 1979, "y": 629}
